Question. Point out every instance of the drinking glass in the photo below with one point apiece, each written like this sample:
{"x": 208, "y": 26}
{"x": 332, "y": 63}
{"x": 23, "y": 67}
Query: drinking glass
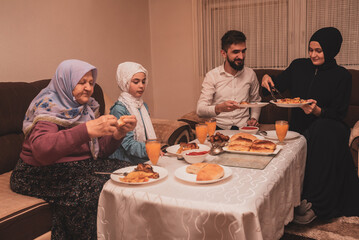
{"x": 201, "y": 132}
{"x": 281, "y": 128}
{"x": 153, "y": 149}
{"x": 211, "y": 126}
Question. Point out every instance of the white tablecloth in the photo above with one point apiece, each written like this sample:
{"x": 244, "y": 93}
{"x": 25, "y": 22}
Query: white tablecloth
{"x": 251, "y": 204}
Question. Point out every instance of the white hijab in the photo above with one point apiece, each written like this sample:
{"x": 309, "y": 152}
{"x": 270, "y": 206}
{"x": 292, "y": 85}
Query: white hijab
{"x": 135, "y": 106}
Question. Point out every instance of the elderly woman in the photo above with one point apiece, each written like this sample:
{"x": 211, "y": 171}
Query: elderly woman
{"x": 65, "y": 143}
{"x": 132, "y": 80}
{"x": 331, "y": 186}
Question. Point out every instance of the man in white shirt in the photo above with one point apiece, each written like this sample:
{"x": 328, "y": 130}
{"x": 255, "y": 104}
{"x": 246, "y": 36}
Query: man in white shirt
{"x": 226, "y": 86}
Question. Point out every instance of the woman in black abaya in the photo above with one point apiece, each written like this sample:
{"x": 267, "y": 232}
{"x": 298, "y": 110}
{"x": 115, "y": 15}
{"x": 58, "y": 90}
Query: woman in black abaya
{"x": 331, "y": 186}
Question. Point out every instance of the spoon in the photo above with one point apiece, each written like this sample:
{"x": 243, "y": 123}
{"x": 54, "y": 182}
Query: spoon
{"x": 215, "y": 150}
{"x": 263, "y": 133}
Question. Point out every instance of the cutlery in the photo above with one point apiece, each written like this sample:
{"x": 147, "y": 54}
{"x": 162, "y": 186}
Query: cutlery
{"x": 263, "y": 133}
{"x": 272, "y": 94}
{"x": 274, "y": 90}
{"x": 114, "y": 173}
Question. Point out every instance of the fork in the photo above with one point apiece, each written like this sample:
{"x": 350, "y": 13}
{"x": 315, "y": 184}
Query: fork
{"x": 114, "y": 173}
{"x": 277, "y": 92}
{"x": 272, "y": 94}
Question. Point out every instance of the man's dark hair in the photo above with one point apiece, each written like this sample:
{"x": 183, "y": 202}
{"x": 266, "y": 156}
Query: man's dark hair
{"x": 232, "y": 37}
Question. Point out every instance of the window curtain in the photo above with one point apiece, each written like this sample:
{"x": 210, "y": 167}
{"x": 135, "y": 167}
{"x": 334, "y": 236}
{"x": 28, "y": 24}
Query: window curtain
{"x": 277, "y": 31}
{"x": 342, "y": 14}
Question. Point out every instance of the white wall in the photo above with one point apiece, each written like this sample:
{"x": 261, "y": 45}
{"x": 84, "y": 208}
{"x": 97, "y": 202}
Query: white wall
{"x": 36, "y": 35}
{"x": 176, "y": 89}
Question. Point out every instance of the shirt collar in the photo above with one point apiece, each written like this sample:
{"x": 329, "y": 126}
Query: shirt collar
{"x": 222, "y": 71}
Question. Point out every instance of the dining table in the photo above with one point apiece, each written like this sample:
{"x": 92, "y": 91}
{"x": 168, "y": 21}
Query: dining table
{"x": 250, "y": 203}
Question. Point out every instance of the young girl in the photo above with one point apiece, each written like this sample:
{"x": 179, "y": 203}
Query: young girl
{"x": 132, "y": 80}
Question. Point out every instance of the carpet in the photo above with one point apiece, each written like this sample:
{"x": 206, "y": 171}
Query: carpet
{"x": 343, "y": 228}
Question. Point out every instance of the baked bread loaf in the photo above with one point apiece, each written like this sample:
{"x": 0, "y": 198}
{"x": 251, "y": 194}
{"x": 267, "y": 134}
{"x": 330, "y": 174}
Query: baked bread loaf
{"x": 210, "y": 172}
{"x": 194, "y": 168}
{"x": 242, "y": 135}
{"x": 120, "y": 120}
{"x": 263, "y": 146}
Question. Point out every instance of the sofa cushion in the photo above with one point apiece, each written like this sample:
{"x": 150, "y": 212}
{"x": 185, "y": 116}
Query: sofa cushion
{"x": 21, "y": 217}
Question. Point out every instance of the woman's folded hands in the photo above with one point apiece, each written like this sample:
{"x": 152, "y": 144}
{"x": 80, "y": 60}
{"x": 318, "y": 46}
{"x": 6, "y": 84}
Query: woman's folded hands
{"x": 107, "y": 125}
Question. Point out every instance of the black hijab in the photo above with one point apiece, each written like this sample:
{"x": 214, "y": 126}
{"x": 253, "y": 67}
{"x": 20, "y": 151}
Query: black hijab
{"x": 330, "y": 39}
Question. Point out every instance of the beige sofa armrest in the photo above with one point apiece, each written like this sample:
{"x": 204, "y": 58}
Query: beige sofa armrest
{"x": 354, "y": 134}
{"x": 354, "y": 144}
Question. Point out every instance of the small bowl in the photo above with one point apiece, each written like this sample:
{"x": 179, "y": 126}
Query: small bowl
{"x": 194, "y": 158}
{"x": 249, "y": 129}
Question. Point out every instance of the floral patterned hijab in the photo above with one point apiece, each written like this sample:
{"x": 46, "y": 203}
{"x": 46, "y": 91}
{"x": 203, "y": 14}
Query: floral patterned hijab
{"x": 56, "y": 104}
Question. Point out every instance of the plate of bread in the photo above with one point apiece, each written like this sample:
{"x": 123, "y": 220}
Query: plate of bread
{"x": 253, "y": 104}
{"x": 246, "y": 143}
{"x": 140, "y": 174}
{"x": 179, "y": 148}
{"x": 290, "y": 102}
{"x": 203, "y": 172}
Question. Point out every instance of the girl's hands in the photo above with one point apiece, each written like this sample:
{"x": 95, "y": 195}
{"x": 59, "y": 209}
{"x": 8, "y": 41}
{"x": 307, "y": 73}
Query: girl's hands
{"x": 107, "y": 125}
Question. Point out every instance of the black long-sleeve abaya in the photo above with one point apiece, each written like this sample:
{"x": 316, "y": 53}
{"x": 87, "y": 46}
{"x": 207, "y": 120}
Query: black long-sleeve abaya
{"x": 330, "y": 181}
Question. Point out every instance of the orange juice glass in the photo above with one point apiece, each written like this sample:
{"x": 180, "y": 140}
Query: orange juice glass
{"x": 201, "y": 132}
{"x": 153, "y": 149}
{"x": 281, "y": 128}
{"x": 211, "y": 126}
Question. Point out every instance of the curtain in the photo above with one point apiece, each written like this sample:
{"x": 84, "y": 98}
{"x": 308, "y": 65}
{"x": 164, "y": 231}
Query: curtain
{"x": 277, "y": 31}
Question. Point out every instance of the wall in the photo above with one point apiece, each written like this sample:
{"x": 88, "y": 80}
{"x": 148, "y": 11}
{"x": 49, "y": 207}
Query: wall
{"x": 176, "y": 87}
{"x": 35, "y": 36}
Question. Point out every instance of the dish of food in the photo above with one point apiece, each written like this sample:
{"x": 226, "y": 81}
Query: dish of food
{"x": 275, "y": 152}
{"x": 251, "y": 144}
{"x": 174, "y": 149}
{"x": 273, "y": 136}
{"x": 162, "y": 172}
{"x": 253, "y": 104}
{"x": 181, "y": 173}
{"x": 289, "y": 102}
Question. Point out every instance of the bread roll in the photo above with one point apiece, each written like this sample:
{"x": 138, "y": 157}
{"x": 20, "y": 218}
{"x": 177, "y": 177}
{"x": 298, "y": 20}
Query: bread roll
{"x": 264, "y": 144}
{"x": 262, "y": 150}
{"x": 120, "y": 121}
{"x": 242, "y": 135}
{"x": 194, "y": 168}
{"x": 210, "y": 172}
{"x": 238, "y": 147}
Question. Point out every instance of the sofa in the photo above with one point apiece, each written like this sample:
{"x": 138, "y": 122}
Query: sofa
{"x": 23, "y": 217}
{"x": 271, "y": 113}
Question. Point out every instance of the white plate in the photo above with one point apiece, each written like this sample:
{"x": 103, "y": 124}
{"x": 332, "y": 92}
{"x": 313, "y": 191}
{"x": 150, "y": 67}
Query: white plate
{"x": 174, "y": 148}
{"x": 278, "y": 148}
{"x": 254, "y": 104}
{"x": 161, "y": 171}
{"x": 188, "y": 177}
{"x": 273, "y": 136}
{"x": 288, "y": 105}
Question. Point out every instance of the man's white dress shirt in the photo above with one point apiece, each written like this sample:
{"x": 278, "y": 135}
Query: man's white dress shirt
{"x": 219, "y": 86}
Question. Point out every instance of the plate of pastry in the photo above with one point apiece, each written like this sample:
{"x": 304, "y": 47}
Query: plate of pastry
{"x": 140, "y": 174}
{"x": 179, "y": 148}
{"x": 290, "y": 102}
{"x": 253, "y": 104}
{"x": 203, "y": 173}
{"x": 246, "y": 143}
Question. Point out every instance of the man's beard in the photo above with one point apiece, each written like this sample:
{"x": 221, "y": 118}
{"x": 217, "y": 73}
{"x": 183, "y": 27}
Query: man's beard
{"x": 235, "y": 66}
